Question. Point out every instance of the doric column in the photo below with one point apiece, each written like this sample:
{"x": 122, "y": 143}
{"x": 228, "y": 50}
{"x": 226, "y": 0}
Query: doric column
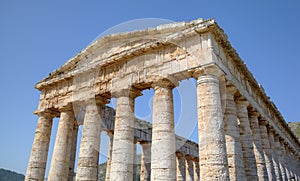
{"x": 88, "y": 158}
{"x": 274, "y": 153}
{"x": 145, "y": 161}
{"x": 280, "y": 152}
{"x": 109, "y": 154}
{"x": 39, "y": 151}
{"x": 232, "y": 135}
{"x": 290, "y": 166}
{"x": 257, "y": 146}
{"x": 123, "y": 148}
{"x": 189, "y": 168}
{"x": 196, "y": 169}
{"x": 163, "y": 161}
{"x": 180, "y": 169}
{"x": 286, "y": 158}
{"x": 134, "y": 165}
{"x": 59, "y": 168}
{"x": 212, "y": 144}
{"x": 73, "y": 151}
{"x": 246, "y": 140}
{"x": 267, "y": 150}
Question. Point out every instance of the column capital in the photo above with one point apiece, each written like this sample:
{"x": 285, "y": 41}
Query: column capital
{"x": 127, "y": 92}
{"x": 188, "y": 157}
{"x": 253, "y": 112}
{"x": 195, "y": 159}
{"x": 231, "y": 89}
{"x": 66, "y": 108}
{"x": 165, "y": 83}
{"x": 242, "y": 101}
{"x": 271, "y": 129}
{"x": 178, "y": 154}
{"x": 282, "y": 140}
{"x": 211, "y": 69}
{"x": 47, "y": 113}
{"x": 263, "y": 122}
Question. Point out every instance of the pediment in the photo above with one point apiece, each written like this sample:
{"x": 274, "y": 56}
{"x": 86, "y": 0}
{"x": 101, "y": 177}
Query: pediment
{"x": 111, "y": 48}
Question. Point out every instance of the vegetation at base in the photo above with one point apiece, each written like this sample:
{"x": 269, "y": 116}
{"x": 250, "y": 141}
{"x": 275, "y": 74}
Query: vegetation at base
{"x": 7, "y": 175}
{"x": 295, "y": 126}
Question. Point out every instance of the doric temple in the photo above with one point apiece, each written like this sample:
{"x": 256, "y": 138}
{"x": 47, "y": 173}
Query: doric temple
{"x": 241, "y": 133}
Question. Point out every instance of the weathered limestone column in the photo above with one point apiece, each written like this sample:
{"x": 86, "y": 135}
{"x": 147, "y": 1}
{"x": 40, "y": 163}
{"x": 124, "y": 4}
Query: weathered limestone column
{"x": 189, "y": 168}
{"x": 286, "y": 158}
{"x": 163, "y": 161}
{"x": 290, "y": 166}
{"x": 280, "y": 153}
{"x": 257, "y": 146}
{"x": 108, "y": 165}
{"x": 39, "y": 151}
{"x": 266, "y": 148}
{"x": 59, "y": 168}
{"x": 180, "y": 169}
{"x": 145, "y": 161}
{"x": 284, "y": 161}
{"x": 90, "y": 141}
{"x": 212, "y": 145}
{"x": 134, "y": 165}
{"x": 246, "y": 140}
{"x": 73, "y": 151}
{"x": 232, "y": 135}
{"x": 123, "y": 148}
{"x": 274, "y": 153}
{"x": 196, "y": 169}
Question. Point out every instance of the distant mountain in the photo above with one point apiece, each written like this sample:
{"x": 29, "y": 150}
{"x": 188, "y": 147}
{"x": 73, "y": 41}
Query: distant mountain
{"x": 295, "y": 126}
{"x": 7, "y": 175}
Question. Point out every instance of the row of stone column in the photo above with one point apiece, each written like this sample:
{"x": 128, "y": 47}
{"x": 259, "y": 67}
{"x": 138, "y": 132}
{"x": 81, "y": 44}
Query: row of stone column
{"x": 254, "y": 150}
{"x": 234, "y": 146}
{"x": 187, "y": 168}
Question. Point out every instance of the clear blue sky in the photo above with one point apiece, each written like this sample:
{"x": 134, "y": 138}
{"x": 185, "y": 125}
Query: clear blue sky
{"x": 37, "y": 37}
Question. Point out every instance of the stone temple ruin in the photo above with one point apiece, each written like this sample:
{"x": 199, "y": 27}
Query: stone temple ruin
{"x": 242, "y": 135}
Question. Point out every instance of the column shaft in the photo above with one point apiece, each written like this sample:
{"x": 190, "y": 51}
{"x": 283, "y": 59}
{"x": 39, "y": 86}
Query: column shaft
{"x": 145, "y": 162}
{"x": 280, "y": 152}
{"x": 274, "y": 155}
{"x": 134, "y": 166}
{"x": 232, "y": 135}
{"x": 257, "y": 147}
{"x": 109, "y": 155}
{"x": 73, "y": 152}
{"x": 59, "y": 168}
{"x": 285, "y": 156}
{"x": 196, "y": 169}
{"x": 212, "y": 146}
{"x": 163, "y": 163}
{"x": 123, "y": 145}
{"x": 180, "y": 167}
{"x": 88, "y": 158}
{"x": 189, "y": 168}
{"x": 39, "y": 152}
{"x": 267, "y": 150}
{"x": 246, "y": 140}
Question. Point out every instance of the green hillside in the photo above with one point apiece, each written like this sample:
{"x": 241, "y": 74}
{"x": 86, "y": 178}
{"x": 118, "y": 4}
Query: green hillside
{"x": 295, "y": 126}
{"x": 6, "y": 175}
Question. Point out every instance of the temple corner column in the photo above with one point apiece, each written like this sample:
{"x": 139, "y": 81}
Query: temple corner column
{"x": 39, "y": 153}
{"x": 213, "y": 163}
